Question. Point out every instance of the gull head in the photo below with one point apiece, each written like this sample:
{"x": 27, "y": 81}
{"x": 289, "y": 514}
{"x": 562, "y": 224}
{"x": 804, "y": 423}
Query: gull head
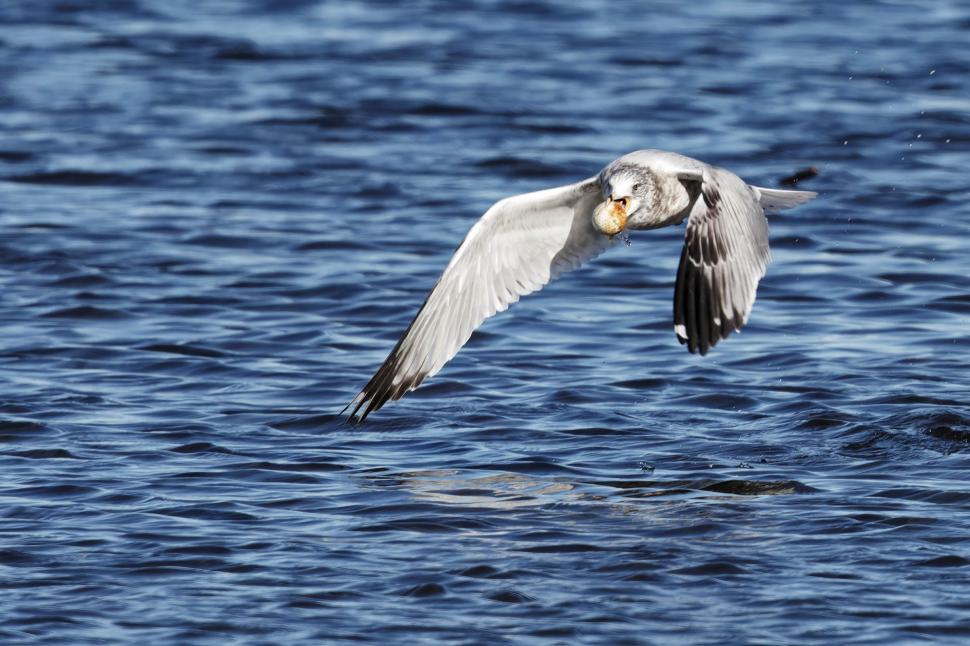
{"x": 625, "y": 190}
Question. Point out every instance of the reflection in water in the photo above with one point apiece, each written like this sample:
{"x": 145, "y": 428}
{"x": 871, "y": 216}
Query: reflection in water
{"x": 513, "y": 490}
{"x": 496, "y": 491}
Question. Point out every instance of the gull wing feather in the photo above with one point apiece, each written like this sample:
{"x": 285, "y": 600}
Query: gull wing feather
{"x": 519, "y": 245}
{"x": 724, "y": 257}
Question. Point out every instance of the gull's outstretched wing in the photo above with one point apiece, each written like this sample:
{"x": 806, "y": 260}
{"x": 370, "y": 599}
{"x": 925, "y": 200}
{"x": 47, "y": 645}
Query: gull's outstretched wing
{"x": 725, "y": 255}
{"x": 517, "y": 247}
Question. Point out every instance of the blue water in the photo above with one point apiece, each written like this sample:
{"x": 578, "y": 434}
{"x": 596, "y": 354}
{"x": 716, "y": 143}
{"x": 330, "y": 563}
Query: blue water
{"x": 217, "y": 218}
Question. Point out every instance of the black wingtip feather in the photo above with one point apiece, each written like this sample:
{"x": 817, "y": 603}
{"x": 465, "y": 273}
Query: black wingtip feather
{"x": 679, "y": 296}
{"x": 381, "y": 389}
{"x": 703, "y": 312}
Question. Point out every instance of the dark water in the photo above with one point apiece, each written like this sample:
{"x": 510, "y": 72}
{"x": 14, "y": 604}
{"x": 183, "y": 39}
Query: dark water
{"x": 217, "y": 217}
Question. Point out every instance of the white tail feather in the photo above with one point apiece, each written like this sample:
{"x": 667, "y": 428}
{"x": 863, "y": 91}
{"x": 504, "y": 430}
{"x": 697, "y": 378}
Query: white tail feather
{"x": 774, "y": 200}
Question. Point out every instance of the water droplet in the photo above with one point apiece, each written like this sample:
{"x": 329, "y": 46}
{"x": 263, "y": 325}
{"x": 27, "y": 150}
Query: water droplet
{"x": 932, "y": 72}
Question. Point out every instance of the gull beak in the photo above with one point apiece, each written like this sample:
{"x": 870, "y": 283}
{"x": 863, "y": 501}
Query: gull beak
{"x": 610, "y": 216}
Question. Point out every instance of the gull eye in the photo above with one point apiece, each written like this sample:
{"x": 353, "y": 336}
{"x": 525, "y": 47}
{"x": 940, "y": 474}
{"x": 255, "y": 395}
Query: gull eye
{"x": 636, "y": 187}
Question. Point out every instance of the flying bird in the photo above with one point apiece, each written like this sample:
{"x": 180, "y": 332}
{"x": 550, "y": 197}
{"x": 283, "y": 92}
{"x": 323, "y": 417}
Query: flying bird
{"x": 525, "y": 241}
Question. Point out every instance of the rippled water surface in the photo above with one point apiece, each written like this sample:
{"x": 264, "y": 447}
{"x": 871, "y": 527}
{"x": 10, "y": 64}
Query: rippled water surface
{"x": 217, "y": 217}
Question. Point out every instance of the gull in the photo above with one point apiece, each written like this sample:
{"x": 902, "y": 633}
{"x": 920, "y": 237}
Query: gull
{"x": 526, "y": 241}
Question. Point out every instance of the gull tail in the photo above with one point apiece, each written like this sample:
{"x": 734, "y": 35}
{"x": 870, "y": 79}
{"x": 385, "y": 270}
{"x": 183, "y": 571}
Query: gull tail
{"x": 774, "y": 200}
